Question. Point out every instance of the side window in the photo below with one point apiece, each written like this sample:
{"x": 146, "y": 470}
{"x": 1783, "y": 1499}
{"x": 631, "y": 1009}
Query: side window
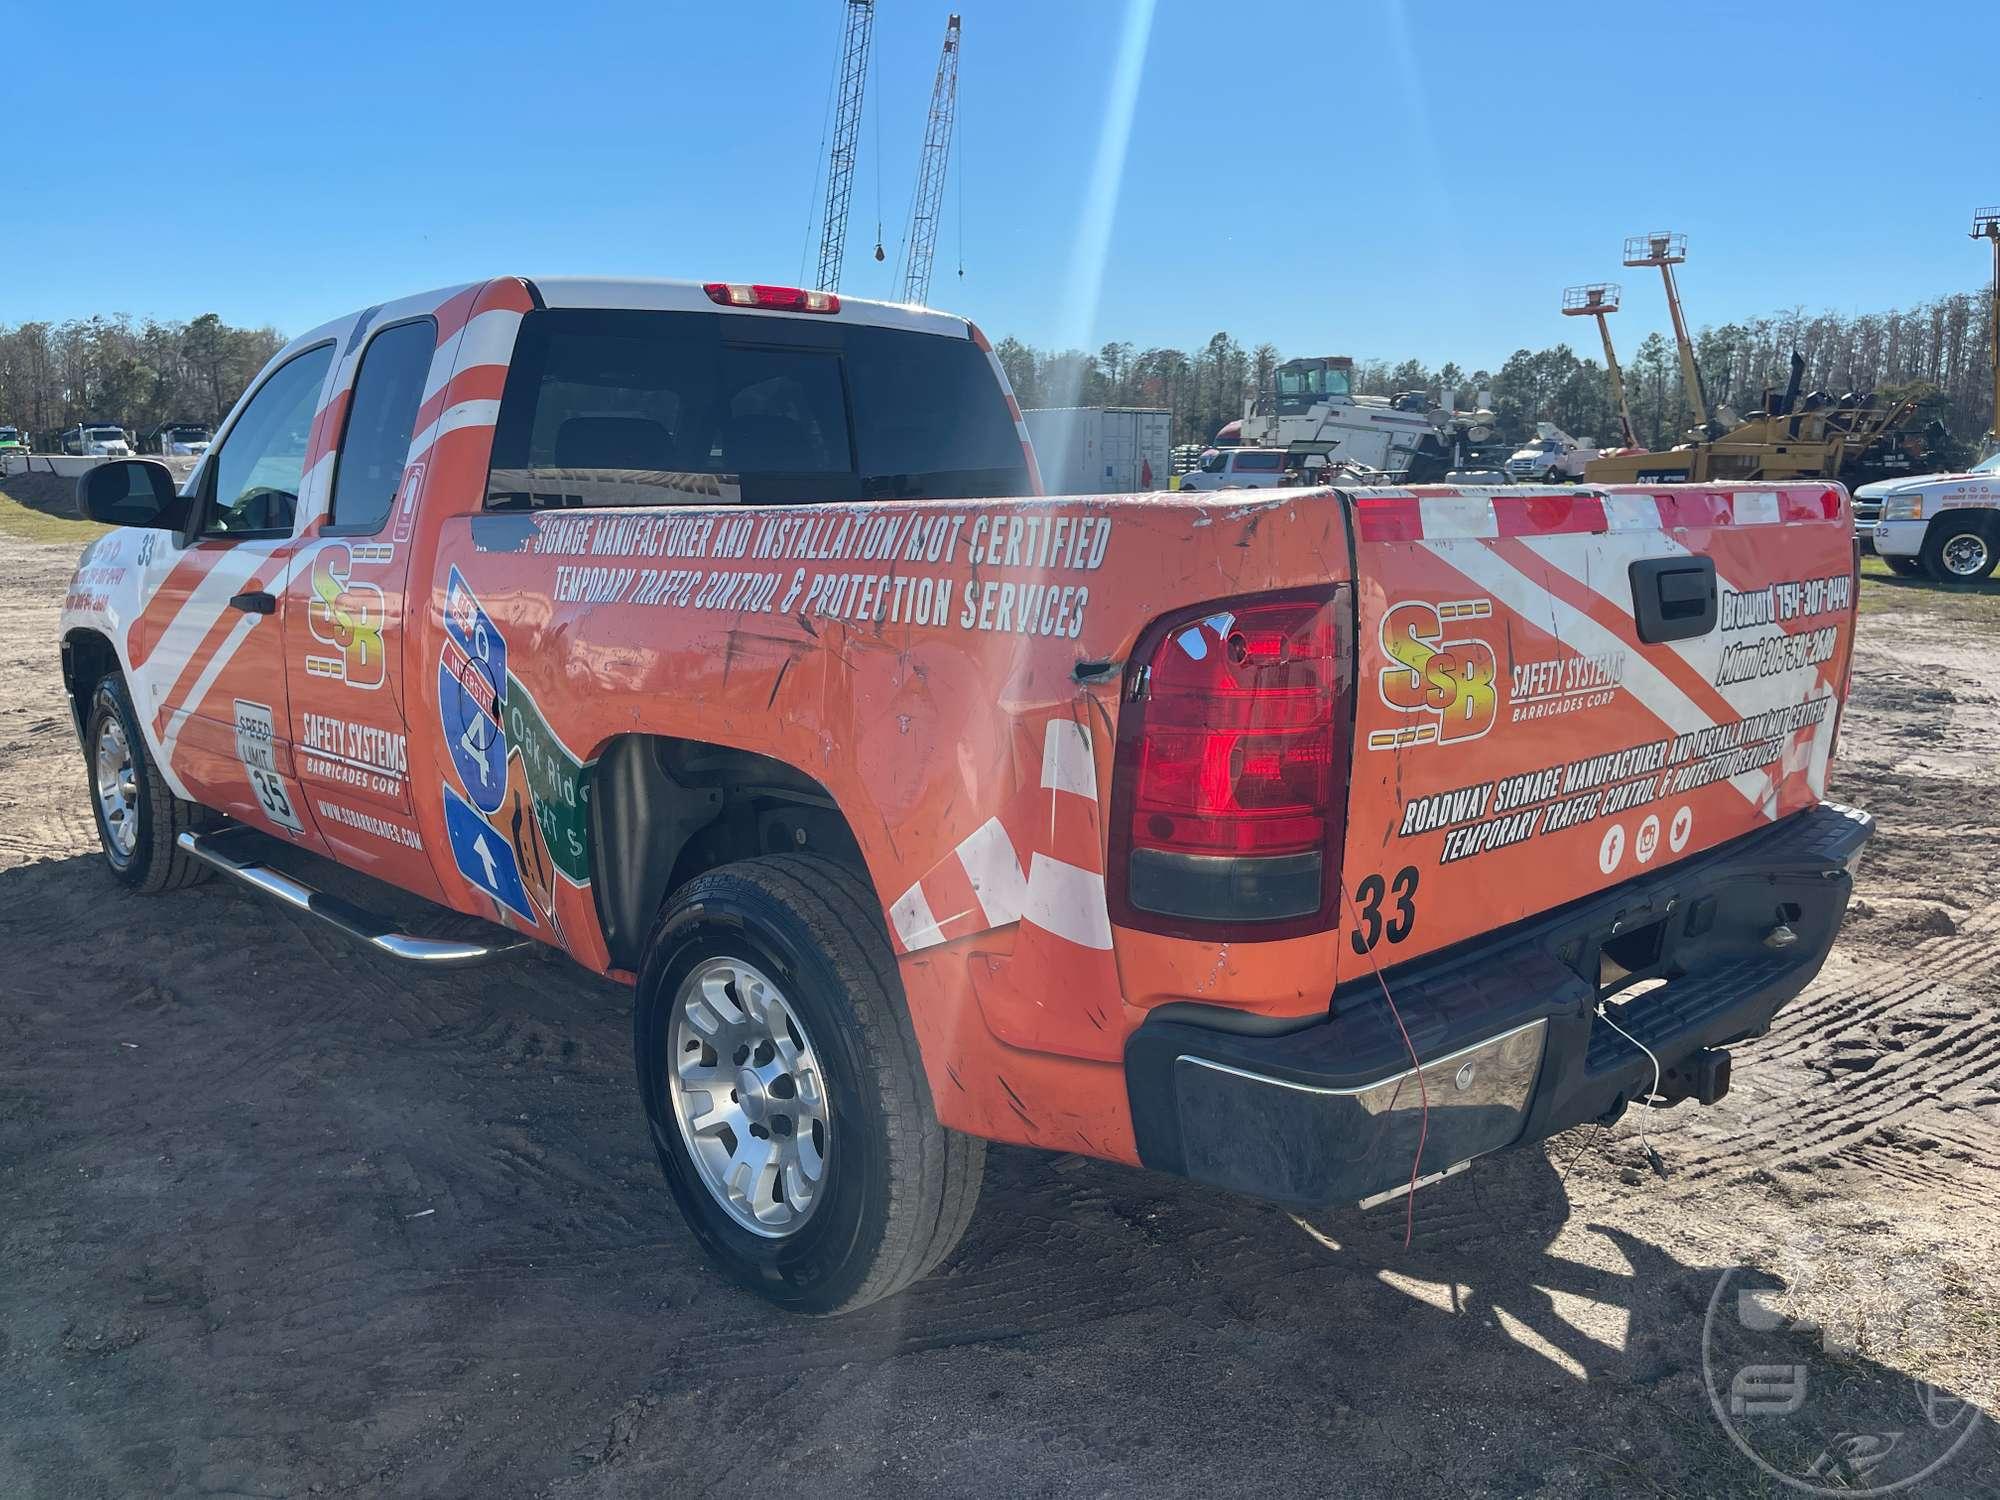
{"x": 388, "y": 389}
{"x": 256, "y": 473}
{"x": 1259, "y": 463}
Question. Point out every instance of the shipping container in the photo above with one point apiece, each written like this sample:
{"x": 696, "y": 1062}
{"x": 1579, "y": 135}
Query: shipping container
{"x": 1102, "y": 450}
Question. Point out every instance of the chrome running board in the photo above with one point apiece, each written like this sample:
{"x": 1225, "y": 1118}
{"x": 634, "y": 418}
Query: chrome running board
{"x": 378, "y": 932}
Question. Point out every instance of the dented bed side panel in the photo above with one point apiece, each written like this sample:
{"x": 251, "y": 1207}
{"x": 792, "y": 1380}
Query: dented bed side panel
{"x": 921, "y": 661}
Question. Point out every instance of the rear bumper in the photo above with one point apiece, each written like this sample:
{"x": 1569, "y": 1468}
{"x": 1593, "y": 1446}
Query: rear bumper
{"x": 1506, "y": 1028}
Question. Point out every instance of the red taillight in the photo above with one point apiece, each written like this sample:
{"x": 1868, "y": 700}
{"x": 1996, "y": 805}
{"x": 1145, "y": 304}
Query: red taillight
{"x": 1232, "y": 759}
{"x": 774, "y": 298}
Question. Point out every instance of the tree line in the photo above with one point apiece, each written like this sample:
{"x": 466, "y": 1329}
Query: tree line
{"x": 138, "y": 375}
{"x": 1936, "y": 351}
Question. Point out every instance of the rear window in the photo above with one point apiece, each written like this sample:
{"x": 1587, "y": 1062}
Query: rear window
{"x": 657, "y": 408}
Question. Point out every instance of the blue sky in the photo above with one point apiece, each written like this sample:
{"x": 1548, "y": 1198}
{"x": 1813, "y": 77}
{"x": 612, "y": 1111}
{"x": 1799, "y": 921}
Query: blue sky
{"x": 1381, "y": 179}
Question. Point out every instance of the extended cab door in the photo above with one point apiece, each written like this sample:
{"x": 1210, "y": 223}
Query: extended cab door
{"x": 344, "y": 616}
{"x": 207, "y": 654}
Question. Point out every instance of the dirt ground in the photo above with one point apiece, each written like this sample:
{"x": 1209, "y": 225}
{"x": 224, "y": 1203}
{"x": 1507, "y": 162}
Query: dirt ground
{"x": 278, "y": 1217}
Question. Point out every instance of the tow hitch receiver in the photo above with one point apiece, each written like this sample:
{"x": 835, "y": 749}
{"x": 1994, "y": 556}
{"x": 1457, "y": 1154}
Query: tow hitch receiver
{"x": 1702, "y": 1076}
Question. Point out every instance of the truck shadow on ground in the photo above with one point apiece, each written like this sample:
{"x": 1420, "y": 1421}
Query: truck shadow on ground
{"x": 279, "y": 1214}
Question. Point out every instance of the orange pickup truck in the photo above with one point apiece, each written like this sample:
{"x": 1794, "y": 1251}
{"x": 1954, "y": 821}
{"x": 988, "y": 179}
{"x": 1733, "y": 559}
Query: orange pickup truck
{"x": 1311, "y": 843}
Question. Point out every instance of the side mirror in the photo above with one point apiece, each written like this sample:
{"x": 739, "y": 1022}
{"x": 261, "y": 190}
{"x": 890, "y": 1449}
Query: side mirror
{"x": 131, "y": 492}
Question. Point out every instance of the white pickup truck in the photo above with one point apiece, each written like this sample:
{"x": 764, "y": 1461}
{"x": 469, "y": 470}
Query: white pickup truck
{"x": 1239, "y": 469}
{"x": 1553, "y": 456}
{"x": 1945, "y": 525}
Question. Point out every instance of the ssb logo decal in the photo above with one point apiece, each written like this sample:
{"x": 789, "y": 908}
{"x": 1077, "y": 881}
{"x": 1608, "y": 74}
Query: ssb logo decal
{"x": 1441, "y": 672}
{"x": 346, "y": 615}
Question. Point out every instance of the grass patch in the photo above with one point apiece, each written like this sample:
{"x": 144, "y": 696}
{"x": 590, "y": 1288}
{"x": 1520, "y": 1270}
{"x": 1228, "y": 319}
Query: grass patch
{"x": 1884, "y": 592}
{"x": 26, "y": 524}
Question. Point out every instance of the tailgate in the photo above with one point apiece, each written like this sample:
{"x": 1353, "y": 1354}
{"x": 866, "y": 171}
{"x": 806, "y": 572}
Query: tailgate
{"x": 1558, "y": 692}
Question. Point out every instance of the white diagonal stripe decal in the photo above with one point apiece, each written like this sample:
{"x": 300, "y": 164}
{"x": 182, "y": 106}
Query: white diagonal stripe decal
{"x": 1644, "y": 681}
{"x": 465, "y": 414}
{"x": 1068, "y": 902}
{"x": 995, "y": 872}
{"x": 912, "y": 919}
{"x": 1066, "y": 761}
{"x": 485, "y": 340}
{"x": 172, "y": 733}
{"x": 190, "y": 626}
{"x": 1609, "y": 578}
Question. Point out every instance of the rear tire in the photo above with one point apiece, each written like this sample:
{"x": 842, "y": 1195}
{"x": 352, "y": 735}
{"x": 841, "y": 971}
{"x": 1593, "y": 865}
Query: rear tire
{"x": 771, "y": 981}
{"x": 1958, "y": 548}
{"x": 139, "y": 819}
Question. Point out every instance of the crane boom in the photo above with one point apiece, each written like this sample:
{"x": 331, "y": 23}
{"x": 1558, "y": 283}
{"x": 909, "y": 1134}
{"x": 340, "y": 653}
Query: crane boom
{"x": 931, "y": 167}
{"x": 846, "y": 135}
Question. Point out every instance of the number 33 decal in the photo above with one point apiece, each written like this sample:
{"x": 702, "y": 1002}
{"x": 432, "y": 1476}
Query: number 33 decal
{"x": 1369, "y": 928}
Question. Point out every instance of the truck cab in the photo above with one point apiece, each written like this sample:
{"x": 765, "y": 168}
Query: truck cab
{"x": 179, "y": 439}
{"x": 96, "y": 440}
{"x": 1946, "y": 526}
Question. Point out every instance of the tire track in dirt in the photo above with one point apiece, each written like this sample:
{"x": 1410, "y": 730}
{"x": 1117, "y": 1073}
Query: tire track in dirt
{"x": 1894, "y": 1086}
{"x": 1888, "y": 1048}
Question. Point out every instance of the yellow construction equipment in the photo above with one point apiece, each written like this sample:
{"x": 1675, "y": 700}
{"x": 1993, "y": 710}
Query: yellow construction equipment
{"x": 1815, "y": 435}
{"x": 1598, "y": 300}
{"x": 1852, "y": 439}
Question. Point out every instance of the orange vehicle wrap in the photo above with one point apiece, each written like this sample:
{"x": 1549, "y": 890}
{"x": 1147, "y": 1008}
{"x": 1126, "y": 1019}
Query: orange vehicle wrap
{"x": 428, "y": 703}
{"x": 1518, "y": 745}
{"x": 920, "y": 661}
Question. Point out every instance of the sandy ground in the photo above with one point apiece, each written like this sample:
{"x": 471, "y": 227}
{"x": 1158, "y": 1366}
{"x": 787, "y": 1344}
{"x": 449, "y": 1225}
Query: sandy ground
{"x": 279, "y": 1217}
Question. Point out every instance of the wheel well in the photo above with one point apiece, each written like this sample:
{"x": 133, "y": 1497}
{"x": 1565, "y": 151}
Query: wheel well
{"x": 664, "y": 810}
{"x": 87, "y": 659}
{"x": 1984, "y": 519}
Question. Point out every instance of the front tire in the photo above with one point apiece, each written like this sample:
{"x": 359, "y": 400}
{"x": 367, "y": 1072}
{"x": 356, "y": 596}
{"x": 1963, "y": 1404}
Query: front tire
{"x": 785, "y": 1092}
{"x": 139, "y": 819}
{"x": 1958, "y": 548}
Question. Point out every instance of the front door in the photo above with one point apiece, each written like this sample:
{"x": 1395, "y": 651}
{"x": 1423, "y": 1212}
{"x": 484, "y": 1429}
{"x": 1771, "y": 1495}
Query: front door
{"x": 344, "y": 612}
{"x": 207, "y": 653}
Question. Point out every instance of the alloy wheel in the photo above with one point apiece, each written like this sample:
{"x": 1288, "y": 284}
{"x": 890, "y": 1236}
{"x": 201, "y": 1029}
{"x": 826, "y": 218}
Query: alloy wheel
{"x": 117, "y": 788}
{"x": 749, "y": 1096}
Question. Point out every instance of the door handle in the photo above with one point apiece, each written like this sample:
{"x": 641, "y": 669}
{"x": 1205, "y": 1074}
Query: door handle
{"x": 256, "y": 602}
{"x": 1673, "y": 598}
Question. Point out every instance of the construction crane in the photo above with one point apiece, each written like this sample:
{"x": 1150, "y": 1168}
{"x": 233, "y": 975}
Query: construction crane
{"x": 1986, "y": 226}
{"x": 1666, "y": 250}
{"x": 921, "y": 238}
{"x": 846, "y": 136}
{"x": 1598, "y": 300}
